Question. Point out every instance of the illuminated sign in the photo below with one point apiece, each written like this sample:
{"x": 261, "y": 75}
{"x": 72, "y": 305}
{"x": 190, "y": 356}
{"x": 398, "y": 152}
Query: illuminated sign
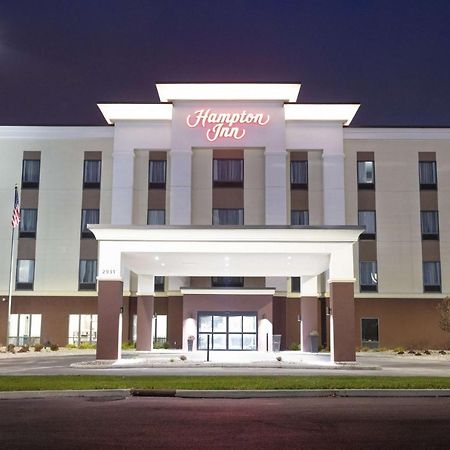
{"x": 225, "y": 125}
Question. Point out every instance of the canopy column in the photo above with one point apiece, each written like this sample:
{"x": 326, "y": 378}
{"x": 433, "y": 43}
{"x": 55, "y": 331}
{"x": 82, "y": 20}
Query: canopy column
{"x": 145, "y": 306}
{"x": 310, "y": 317}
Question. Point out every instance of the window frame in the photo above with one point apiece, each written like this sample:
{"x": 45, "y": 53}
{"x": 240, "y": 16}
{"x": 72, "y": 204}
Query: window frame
{"x": 370, "y": 343}
{"x": 225, "y": 183}
{"x": 429, "y": 236}
{"x": 240, "y": 212}
{"x": 368, "y": 287}
{"x": 85, "y": 232}
{"x": 27, "y": 234}
{"x": 157, "y": 185}
{"x": 366, "y": 185}
{"x": 364, "y": 235}
{"x": 159, "y": 210}
{"x": 30, "y": 184}
{"x": 432, "y": 287}
{"x": 157, "y": 285}
{"x": 303, "y": 185}
{"x": 87, "y": 286}
{"x": 237, "y": 282}
{"x": 92, "y": 184}
{"x": 304, "y": 211}
{"x": 25, "y": 286}
{"x": 428, "y": 186}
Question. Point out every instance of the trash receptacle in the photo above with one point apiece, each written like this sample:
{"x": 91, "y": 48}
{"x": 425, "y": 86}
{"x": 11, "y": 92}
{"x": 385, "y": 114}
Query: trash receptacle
{"x": 314, "y": 341}
{"x": 276, "y": 342}
{"x": 190, "y": 343}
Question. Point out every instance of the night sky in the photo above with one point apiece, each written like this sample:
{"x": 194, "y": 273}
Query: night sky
{"x": 59, "y": 58}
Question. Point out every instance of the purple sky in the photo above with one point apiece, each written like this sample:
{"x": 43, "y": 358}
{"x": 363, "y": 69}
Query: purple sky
{"x": 59, "y": 58}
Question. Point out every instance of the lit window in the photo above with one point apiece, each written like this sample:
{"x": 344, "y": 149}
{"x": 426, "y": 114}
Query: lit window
{"x": 429, "y": 221}
{"x": 427, "y": 175}
{"x": 30, "y": 173}
{"x": 366, "y": 174}
{"x": 299, "y": 217}
{"x": 157, "y": 174}
{"x": 156, "y": 217}
{"x": 228, "y": 217}
{"x": 299, "y": 174}
{"x": 92, "y": 173}
{"x": 25, "y": 274}
{"x": 28, "y": 221}
{"x": 228, "y": 172}
{"x": 25, "y": 329}
{"x": 82, "y": 328}
{"x": 88, "y": 274}
{"x": 88, "y": 216}
{"x": 368, "y": 276}
{"x": 432, "y": 276}
{"x": 367, "y": 219}
{"x": 369, "y": 332}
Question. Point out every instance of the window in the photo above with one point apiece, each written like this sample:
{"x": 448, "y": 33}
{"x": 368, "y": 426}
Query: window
{"x": 227, "y": 281}
{"x": 159, "y": 327}
{"x": 432, "y": 276}
{"x": 227, "y": 331}
{"x": 299, "y": 174}
{"x": 25, "y": 329}
{"x": 228, "y": 172}
{"x": 82, "y": 328}
{"x": 25, "y": 274}
{"x": 368, "y": 277}
{"x": 92, "y": 173}
{"x": 427, "y": 175}
{"x": 299, "y": 217}
{"x": 28, "y": 221}
{"x": 366, "y": 174}
{"x": 88, "y": 216}
{"x": 369, "y": 332}
{"x": 157, "y": 174}
{"x": 295, "y": 284}
{"x": 88, "y": 274}
{"x": 159, "y": 284}
{"x": 228, "y": 217}
{"x": 156, "y": 217}
{"x": 429, "y": 222}
{"x": 30, "y": 173}
{"x": 367, "y": 219}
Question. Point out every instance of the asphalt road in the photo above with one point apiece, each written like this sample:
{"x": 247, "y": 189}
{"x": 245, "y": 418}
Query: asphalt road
{"x": 60, "y": 365}
{"x": 151, "y": 423}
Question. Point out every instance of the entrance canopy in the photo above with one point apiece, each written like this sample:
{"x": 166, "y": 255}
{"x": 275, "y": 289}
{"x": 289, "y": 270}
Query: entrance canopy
{"x": 226, "y": 251}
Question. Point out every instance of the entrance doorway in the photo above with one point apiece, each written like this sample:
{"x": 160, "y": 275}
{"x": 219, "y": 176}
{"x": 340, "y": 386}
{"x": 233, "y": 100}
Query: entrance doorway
{"x": 227, "y": 331}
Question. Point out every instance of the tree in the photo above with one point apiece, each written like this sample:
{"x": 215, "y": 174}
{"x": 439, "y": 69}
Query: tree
{"x": 444, "y": 314}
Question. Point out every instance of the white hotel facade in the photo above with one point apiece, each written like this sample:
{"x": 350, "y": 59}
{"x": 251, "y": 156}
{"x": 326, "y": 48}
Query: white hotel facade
{"x": 229, "y": 211}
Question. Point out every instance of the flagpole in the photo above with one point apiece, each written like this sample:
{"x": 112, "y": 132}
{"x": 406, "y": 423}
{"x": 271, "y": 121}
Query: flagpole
{"x": 11, "y": 273}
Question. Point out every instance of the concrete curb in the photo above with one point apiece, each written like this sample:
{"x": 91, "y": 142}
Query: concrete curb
{"x": 116, "y": 394}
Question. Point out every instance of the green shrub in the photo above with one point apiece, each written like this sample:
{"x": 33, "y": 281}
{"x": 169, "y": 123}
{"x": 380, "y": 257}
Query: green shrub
{"x": 294, "y": 346}
{"x": 183, "y": 358}
{"x": 128, "y": 345}
{"x": 161, "y": 345}
{"x": 54, "y": 347}
{"x": 399, "y": 349}
{"x": 166, "y": 345}
{"x": 38, "y": 347}
{"x": 364, "y": 349}
{"x": 11, "y": 348}
{"x": 86, "y": 346}
{"x": 24, "y": 349}
{"x": 71, "y": 346}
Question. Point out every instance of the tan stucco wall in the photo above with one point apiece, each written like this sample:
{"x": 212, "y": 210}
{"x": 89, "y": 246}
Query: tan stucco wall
{"x": 254, "y": 187}
{"x": 201, "y": 186}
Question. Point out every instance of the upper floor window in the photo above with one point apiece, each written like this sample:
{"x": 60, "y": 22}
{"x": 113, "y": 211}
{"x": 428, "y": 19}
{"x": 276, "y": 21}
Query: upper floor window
{"x": 28, "y": 221}
{"x": 227, "y": 281}
{"x": 159, "y": 284}
{"x": 92, "y": 173}
{"x": 299, "y": 174}
{"x": 366, "y": 174}
{"x": 367, "y": 219}
{"x": 432, "y": 276}
{"x": 30, "y": 173}
{"x": 228, "y": 217}
{"x": 156, "y": 217}
{"x": 299, "y": 217}
{"x": 427, "y": 175}
{"x": 88, "y": 216}
{"x": 88, "y": 274}
{"x": 429, "y": 221}
{"x": 157, "y": 174}
{"x": 368, "y": 276}
{"x": 25, "y": 274}
{"x": 228, "y": 172}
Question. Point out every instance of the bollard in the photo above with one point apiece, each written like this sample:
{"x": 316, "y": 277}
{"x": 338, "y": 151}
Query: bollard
{"x": 207, "y": 348}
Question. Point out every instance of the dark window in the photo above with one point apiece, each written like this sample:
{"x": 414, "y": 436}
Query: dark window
{"x": 88, "y": 274}
{"x": 368, "y": 276}
{"x": 227, "y": 281}
{"x": 88, "y": 216}
{"x": 432, "y": 276}
{"x": 228, "y": 217}
{"x": 299, "y": 174}
{"x": 92, "y": 173}
{"x": 30, "y": 173}
{"x": 159, "y": 284}
{"x": 25, "y": 274}
{"x": 367, "y": 219}
{"x": 299, "y": 217}
{"x": 157, "y": 174}
{"x": 429, "y": 222}
{"x": 369, "y": 332}
{"x": 366, "y": 174}
{"x": 156, "y": 217}
{"x": 228, "y": 172}
{"x": 427, "y": 175}
{"x": 28, "y": 221}
{"x": 295, "y": 284}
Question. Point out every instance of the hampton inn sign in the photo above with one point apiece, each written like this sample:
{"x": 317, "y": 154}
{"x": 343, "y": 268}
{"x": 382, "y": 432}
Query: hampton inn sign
{"x": 225, "y": 125}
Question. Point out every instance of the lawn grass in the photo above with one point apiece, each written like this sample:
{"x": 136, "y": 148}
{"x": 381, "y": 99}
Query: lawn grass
{"x": 77, "y": 382}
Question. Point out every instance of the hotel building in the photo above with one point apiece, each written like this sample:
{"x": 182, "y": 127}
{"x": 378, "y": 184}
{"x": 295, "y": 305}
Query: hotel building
{"x": 228, "y": 213}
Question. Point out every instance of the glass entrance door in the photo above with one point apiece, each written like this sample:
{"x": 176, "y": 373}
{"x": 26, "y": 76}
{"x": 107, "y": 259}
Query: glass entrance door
{"x": 227, "y": 331}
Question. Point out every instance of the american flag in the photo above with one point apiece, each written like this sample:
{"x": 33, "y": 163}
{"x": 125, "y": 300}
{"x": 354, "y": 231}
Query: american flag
{"x": 16, "y": 210}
